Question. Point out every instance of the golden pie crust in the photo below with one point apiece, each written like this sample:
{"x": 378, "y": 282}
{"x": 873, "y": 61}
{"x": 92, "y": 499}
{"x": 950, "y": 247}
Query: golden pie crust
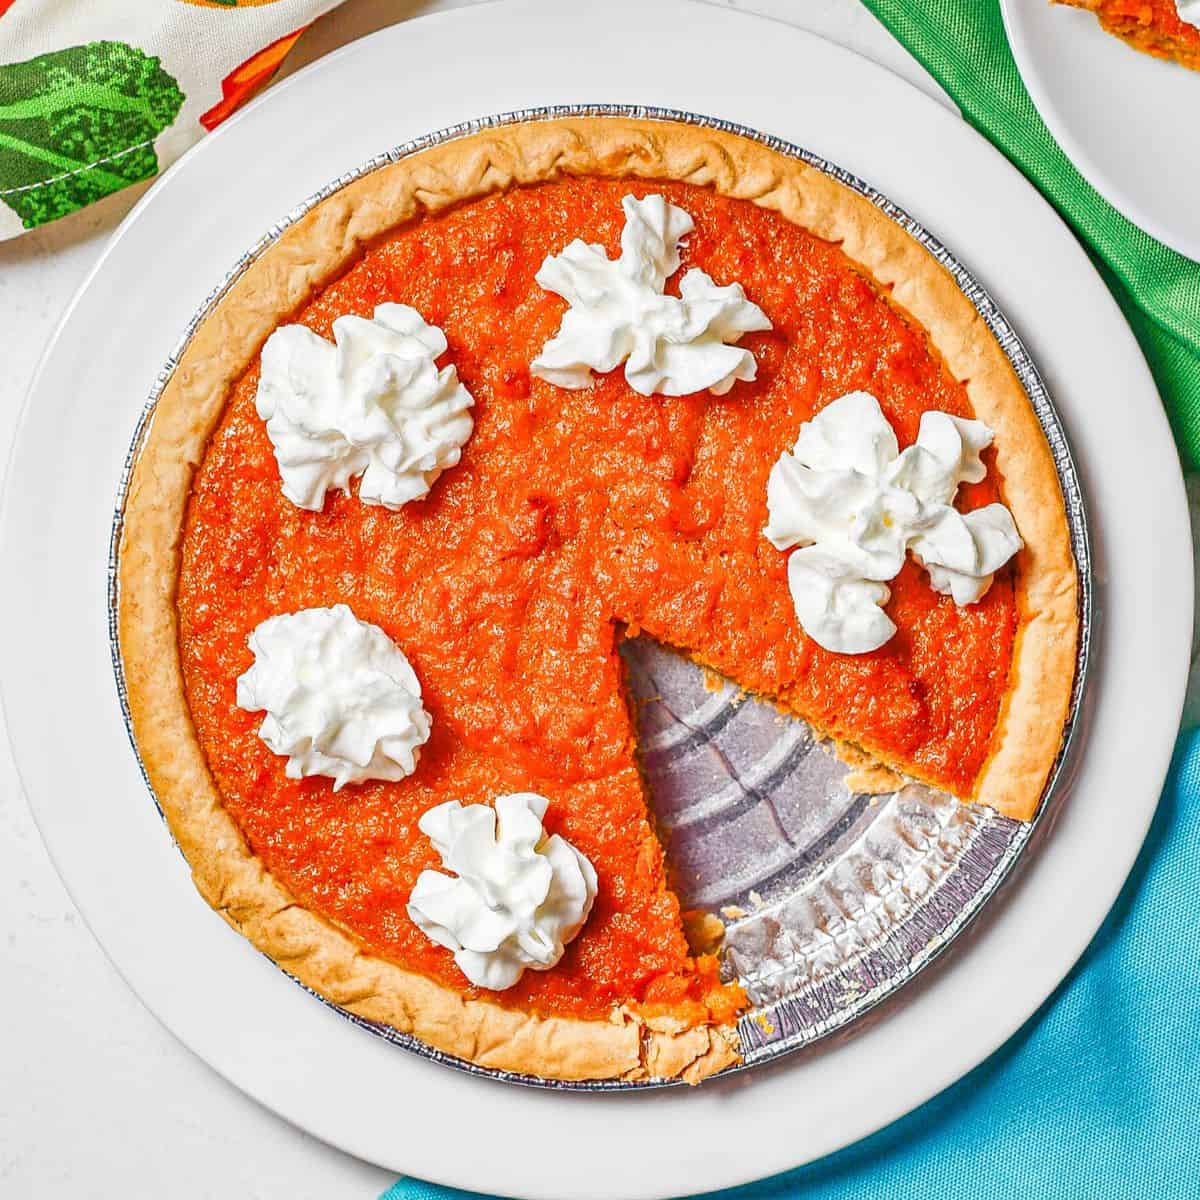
{"x": 318, "y": 248}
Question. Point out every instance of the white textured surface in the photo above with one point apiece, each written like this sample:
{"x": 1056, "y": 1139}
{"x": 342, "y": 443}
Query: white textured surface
{"x": 95, "y": 1097}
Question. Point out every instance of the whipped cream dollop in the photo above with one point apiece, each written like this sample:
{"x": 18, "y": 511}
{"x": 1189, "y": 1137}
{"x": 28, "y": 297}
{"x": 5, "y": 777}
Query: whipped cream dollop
{"x": 856, "y": 506}
{"x": 371, "y": 403}
{"x": 340, "y": 696}
{"x": 519, "y": 896}
{"x": 673, "y": 345}
{"x": 1189, "y": 11}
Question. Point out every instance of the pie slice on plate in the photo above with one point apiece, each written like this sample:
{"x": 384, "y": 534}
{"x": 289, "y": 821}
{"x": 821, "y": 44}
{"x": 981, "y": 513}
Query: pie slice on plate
{"x": 579, "y": 350}
{"x": 1164, "y": 28}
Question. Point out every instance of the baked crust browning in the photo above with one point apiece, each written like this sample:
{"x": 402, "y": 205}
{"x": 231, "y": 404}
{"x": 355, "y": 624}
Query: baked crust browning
{"x": 318, "y": 248}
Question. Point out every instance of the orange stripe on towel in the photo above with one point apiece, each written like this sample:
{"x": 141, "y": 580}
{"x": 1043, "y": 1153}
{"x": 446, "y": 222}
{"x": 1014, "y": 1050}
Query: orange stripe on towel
{"x": 243, "y": 81}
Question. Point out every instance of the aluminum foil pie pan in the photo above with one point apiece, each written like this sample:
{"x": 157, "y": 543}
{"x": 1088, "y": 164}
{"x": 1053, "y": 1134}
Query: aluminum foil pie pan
{"x": 832, "y": 901}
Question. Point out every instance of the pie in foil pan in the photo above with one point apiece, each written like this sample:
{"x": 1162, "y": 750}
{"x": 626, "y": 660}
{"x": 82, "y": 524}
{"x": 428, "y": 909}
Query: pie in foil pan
{"x": 831, "y": 899}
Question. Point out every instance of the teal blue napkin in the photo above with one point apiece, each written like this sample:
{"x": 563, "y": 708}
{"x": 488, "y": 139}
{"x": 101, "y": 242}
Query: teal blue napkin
{"x": 1097, "y": 1097}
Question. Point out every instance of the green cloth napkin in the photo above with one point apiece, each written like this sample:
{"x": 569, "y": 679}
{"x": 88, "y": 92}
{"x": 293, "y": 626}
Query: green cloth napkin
{"x": 962, "y": 44}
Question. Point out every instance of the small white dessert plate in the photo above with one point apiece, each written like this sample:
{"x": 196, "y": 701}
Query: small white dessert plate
{"x": 1125, "y": 119}
{"x": 230, "y": 1004}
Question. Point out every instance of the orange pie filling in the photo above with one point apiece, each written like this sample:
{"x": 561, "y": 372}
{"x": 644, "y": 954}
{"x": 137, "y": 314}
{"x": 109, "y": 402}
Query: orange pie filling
{"x": 575, "y": 518}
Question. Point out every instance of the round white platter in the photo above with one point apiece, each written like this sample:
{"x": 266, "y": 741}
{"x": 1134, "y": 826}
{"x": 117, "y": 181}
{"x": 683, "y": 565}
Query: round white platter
{"x": 1126, "y": 120}
{"x": 231, "y": 1005}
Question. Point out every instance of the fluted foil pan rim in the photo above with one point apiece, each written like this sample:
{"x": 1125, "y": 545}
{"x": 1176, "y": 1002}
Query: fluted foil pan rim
{"x": 882, "y": 967}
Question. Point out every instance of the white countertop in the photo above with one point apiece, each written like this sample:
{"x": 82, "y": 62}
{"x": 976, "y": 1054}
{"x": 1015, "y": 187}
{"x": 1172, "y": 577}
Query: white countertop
{"x": 95, "y": 1097}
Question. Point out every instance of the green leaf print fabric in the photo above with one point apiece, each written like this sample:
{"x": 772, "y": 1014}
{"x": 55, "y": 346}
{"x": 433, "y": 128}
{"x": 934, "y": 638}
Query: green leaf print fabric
{"x": 96, "y": 95}
{"x": 78, "y": 124}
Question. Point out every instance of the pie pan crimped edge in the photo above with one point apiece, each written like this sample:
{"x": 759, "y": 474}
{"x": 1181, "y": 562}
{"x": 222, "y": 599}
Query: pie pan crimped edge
{"x": 985, "y": 860}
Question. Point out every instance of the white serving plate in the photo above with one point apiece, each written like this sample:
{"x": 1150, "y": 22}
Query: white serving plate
{"x": 1126, "y": 120}
{"x": 231, "y": 1005}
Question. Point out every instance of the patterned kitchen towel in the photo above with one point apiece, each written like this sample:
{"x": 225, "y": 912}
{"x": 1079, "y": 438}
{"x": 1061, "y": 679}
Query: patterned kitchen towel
{"x": 98, "y": 94}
